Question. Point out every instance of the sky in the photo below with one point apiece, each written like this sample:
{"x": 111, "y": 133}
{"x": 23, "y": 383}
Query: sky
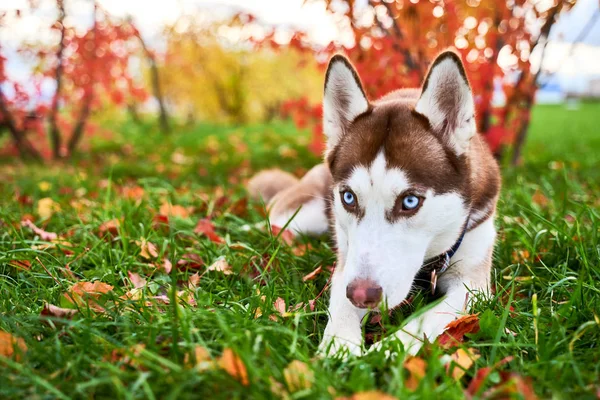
{"x": 573, "y": 63}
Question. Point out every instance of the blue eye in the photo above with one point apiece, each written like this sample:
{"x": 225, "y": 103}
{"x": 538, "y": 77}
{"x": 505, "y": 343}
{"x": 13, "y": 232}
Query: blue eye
{"x": 410, "y": 202}
{"x": 348, "y": 198}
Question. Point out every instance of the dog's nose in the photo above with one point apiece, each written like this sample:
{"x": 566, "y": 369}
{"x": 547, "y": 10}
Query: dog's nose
{"x": 364, "y": 293}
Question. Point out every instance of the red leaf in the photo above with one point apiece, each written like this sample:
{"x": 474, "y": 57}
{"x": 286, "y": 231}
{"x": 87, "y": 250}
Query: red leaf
{"x": 205, "y": 227}
{"x": 190, "y": 261}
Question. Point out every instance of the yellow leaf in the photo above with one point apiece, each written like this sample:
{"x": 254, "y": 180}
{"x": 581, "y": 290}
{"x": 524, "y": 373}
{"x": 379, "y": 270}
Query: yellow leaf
{"x": 11, "y": 346}
{"x": 461, "y": 361}
{"x": 46, "y": 207}
{"x": 298, "y": 376}
{"x": 44, "y": 186}
{"x": 147, "y": 249}
{"x": 234, "y": 366}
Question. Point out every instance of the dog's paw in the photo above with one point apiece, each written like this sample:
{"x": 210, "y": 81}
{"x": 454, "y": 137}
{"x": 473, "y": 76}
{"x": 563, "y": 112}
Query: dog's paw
{"x": 335, "y": 347}
{"x": 410, "y": 344}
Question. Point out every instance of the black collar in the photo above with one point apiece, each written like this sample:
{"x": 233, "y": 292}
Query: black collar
{"x": 439, "y": 264}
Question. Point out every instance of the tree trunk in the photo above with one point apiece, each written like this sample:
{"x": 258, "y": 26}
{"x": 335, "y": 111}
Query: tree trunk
{"x": 25, "y": 148}
{"x": 163, "y": 117}
{"x": 55, "y": 135}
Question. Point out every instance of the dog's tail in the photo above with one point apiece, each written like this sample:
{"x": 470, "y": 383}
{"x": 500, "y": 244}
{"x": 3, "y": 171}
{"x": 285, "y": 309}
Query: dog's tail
{"x": 267, "y": 183}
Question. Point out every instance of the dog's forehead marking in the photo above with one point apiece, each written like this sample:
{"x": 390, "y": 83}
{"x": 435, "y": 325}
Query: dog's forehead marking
{"x": 378, "y": 181}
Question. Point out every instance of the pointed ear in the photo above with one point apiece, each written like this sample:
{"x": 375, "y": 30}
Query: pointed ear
{"x": 344, "y": 99}
{"x": 447, "y": 101}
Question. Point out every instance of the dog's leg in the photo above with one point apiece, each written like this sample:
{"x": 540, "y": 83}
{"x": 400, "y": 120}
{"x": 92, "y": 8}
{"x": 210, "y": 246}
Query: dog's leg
{"x": 470, "y": 272}
{"x": 343, "y": 334}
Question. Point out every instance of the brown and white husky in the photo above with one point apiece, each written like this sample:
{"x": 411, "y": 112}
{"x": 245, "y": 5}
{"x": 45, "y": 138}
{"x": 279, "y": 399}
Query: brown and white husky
{"x": 408, "y": 188}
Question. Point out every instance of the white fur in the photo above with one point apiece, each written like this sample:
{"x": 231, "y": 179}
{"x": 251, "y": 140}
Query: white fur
{"x": 310, "y": 219}
{"x": 446, "y": 78}
{"x": 341, "y": 85}
{"x": 391, "y": 254}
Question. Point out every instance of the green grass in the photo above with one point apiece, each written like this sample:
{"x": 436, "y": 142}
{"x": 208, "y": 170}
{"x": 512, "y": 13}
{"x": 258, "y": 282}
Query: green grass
{"x": 548, "y": 250}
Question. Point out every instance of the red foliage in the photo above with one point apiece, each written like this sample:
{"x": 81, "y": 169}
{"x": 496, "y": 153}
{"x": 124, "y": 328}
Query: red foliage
{"x": 88, "y": 68}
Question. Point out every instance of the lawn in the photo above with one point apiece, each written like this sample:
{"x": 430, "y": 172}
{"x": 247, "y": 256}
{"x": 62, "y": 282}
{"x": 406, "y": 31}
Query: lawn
{"x": 179, "y": 311}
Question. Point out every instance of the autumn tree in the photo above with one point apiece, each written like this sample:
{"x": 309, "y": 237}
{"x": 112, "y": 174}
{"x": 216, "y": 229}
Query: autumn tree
{"x": 214, "y": 71}
{"x": 89, "y": 69}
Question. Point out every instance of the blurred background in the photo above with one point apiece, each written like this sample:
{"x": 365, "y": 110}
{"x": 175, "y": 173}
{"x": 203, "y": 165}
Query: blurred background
{"x": 78, "y": 72}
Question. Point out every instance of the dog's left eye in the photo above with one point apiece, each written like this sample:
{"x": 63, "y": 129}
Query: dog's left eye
{"x": 348, "y": 198}
{"x": 410, "y": 202}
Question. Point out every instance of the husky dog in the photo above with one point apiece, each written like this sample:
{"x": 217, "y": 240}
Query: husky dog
{"x": 409, "y": 189}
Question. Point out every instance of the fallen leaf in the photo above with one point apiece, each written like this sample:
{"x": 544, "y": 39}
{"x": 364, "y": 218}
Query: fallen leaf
{"x": 456, "y": 330}
{"x": 170, "y": 210}
{"x": 47, "y": 236}
{"x": 199, "y": 359}
{"x": 190, "y": 261}
{"x": 193, "y": 281}
{"x": 205, "y": 227}
{"x": 278, "y": 389}
{"x": 416, "y": 367}
{"x": 111, "y": 227}
{"x": 167, "y": 266}
{"x": 279, "y": 305}
{"x": 133, "y": 192}
{"x": 86, "y": 294}
{"x": 221, "y": 265}
{"x": 298, "y": 376}
{"x": 302, "y": 249}
{"x": 137, "y": 281}
{"x": 46, "y": 207}
{"x": 540, "y": 199}
{"x": 147, "y": 249}
{"x": 482, "y": 374}
{"x": 286, "y": 236}
{"x": 312, "y": 275}
{"x": 21, "y": 264}
{"x": 11, "y": 346}
{"x": 461, "y": 361}
{"x": 234, "y": 366}
{"x": 369, "y": 395}
{"x": 50, "y": 310}
{"x": 160, "y": 221}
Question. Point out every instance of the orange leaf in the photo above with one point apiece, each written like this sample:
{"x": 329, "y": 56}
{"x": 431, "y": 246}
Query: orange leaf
{"x": 205, "y": 227}
{"x": 85, "y": 294}
{"x": 456, "y": 330}
{"x": 11, "y": 346}
{"x": 169, "y": 210}
{"x": 461, "y": 361}
{"x": 417, "y": 369}
{"x": 200, "y": 359}
{"x": 369, "y": 395}
{"x": 148, "y": 249}
{"x": 234, "y": 366}
{"x": 167, "y": 266}
{"x": 312, "y": 275}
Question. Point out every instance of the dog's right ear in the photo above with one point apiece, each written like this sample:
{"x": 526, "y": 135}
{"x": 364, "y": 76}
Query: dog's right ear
{"x": 344, "y": 99}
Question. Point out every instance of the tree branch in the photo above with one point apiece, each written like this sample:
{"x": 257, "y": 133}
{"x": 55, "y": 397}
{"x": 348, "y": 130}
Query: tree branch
{"x": 23, "y": 146}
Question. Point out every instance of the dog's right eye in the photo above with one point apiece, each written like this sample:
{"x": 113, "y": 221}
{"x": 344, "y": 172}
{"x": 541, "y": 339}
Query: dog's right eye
{"x": 348, "y": 198}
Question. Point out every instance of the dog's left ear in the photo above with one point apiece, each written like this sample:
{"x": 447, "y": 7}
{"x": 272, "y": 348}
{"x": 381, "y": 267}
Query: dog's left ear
{"x": 447, "y": 101}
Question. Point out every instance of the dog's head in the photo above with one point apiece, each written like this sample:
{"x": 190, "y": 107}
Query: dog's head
{"x": 400, "y": 175}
